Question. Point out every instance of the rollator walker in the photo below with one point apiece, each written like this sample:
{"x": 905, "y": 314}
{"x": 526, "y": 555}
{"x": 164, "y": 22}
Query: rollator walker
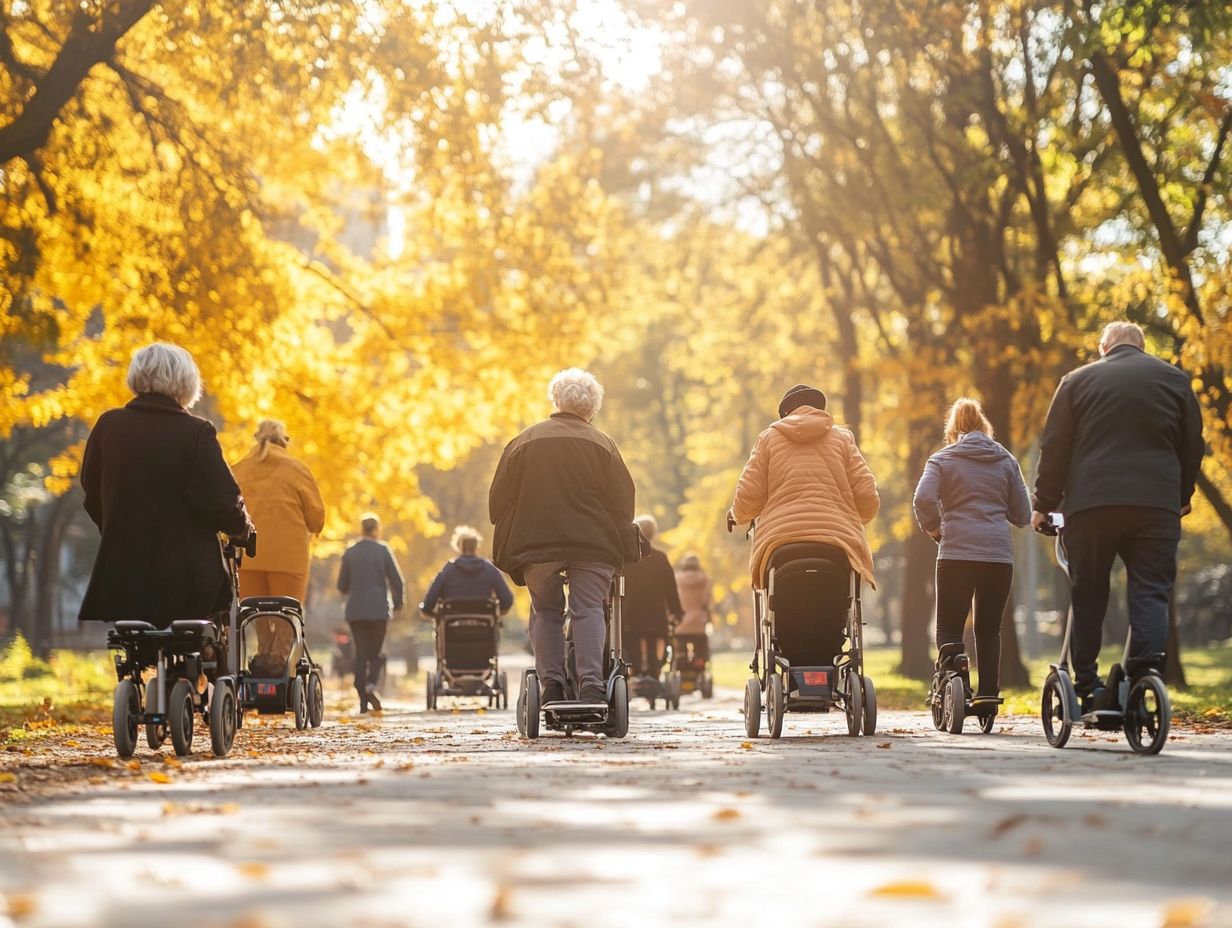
{"x": 809, "y": 640}
{"x": 1139, "y": 703}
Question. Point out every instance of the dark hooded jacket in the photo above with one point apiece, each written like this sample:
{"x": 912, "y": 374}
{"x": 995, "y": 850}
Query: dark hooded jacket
{"x": 157, "y": 486}
{"x": 650, "y": 594}
{"x": 469, "y": 577}
{"x": 971, "y": 492}
{"x": 561, "y": 494}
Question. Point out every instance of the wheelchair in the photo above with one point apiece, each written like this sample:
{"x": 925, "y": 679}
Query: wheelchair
{"x": 467, "y": 637}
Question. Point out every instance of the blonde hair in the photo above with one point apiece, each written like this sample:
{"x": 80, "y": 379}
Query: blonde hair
{"x": 270, "y": 431}
{"x": 168, "y": 370}
{"x": 1122, "y": 333}
{"x": 966, "y": 415}
{"x": 463, "y": 534}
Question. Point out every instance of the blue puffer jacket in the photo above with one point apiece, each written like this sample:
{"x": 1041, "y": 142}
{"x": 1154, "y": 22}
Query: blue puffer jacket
{"x": 469, "y": 577}
{"x": 971, "y": 492}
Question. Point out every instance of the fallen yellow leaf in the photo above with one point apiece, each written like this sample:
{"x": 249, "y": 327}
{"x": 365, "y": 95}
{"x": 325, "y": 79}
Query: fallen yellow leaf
{"x": 20, "y": 905}
{"x": 746, "y": 745}
{"x": 7, "y": 777}
{"x": 907, "y": 889}
{"x": 133, "y": 764}
{"x": 726, "y": 815}
{"x": 1186, "y": 913}
{"x": 171, "y": 761}
{"x": 158, "y": 776}
{"x": 100, "y": 761}
{"x": 254, "y": 869}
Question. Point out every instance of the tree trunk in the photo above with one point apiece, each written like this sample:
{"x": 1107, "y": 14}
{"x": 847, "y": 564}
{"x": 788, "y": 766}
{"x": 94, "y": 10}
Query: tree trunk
{"x": 47, "y": 574}
{"x": 1174, "y": 670}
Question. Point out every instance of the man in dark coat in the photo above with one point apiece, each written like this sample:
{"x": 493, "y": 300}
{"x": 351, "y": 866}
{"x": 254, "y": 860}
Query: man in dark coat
{"x": 1119, "y": 457}
{"x": 650, "y": 596}
{"x": 157, "y": 486}
{"x": 372, "y": 583}
{"x": 560, "y": 498}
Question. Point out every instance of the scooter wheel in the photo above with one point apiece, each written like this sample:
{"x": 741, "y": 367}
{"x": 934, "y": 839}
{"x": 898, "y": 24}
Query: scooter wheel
{"x": 125, "y": 715}
{"x": 619, "y": 708}
{"x": 936, "y": 702}
{"x": 955, "y": 705}
{"x": 1056, "y": 712}
{"x": 774, "y": 706}
{"x": 752, "y": 707}
{"x": 528, "y": 707}
{"x": 223, "y": 717}
{"x": 1148, "y": 714}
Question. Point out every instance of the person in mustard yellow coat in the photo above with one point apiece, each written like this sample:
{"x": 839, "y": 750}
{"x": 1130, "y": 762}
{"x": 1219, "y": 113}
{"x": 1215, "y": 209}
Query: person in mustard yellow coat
{"x": 287, "y": 510}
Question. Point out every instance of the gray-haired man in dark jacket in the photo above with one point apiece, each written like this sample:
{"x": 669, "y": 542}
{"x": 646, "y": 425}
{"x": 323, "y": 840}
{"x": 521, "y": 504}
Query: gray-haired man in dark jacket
{"x": 1119, "y": 456}
{"x": 373, "y": 586}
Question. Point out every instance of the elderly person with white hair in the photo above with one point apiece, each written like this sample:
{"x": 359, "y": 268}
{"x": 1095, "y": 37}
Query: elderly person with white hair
{"x": 468, "y": 576}
{"x": 1119, "y": 456}
{"x": 157, "y": 486}
{"x": 561, "y": 500}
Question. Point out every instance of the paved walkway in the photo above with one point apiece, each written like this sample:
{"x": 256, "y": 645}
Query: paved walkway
{"x": 448, "y": 819}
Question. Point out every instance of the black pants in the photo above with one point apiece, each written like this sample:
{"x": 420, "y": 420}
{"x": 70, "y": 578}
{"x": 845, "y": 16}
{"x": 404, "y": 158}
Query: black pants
{"x": 988, "y": 583}
{"x": 1146, "y": 539}
{"x": 369, "y": 660}
{"x": 642, "y": 650}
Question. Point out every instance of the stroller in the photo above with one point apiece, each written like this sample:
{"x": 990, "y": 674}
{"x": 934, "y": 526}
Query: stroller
{"x": 810, "y": 641}
{"x": 694, "y": 670}
{"x": 179, "y": 655}
{"x": 570, "y": 716}
{"x": 660, "y": 685}
{"x": 1139, "y": 704}
{"x": 277, "y": 672}
{"x": 467, "y": 633}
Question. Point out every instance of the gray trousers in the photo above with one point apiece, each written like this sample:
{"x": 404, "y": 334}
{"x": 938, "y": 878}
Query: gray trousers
{"x": 588, "y": 586}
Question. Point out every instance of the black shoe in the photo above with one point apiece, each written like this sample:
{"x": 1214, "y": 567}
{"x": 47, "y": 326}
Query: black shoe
{"x": 1095, "y": 700}
{"x": 363, "y": 707}
{"x": 375, "y": 699}
{"x": 594, "y": 693}
{"x": 552, "y": 692}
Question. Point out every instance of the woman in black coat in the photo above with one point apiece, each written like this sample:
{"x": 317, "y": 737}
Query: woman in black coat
{"x": 157, "y": 486}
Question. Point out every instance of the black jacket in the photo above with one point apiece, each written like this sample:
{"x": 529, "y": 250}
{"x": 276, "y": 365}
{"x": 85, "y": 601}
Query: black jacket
{"x": 1125, "y": 430}
{"x": 650, "y": 594}
{"x": 560, "y": 493}
{"x": 159, "y": 489}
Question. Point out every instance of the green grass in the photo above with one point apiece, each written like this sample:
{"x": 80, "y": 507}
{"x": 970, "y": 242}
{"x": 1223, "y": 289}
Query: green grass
{"x": 1207, "y": 700}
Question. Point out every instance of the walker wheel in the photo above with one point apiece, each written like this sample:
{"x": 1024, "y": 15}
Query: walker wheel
{"x": 429, "y": 690}
{"x": 125, "y": 715}
{"x": 854, "y": 694}
{"x": 675, "y": 683}
{"x": 774, "y": 706}
{"x": 870, "y": 707}
{"x": 299, "y": 703}
{"x": 1148, "y": 714}
{"x": 156, "y": 734}
{"x": 180, "y": 712}
{"x": 955, "y": 704}
{"x": 707, "y": 687}
{"x": 619, "y": 709}
{"x": 504, "y": 690}
{"x": 223, "y": 717}
{"x": 752, "y": 707}
{"x": 316, "y": 700}
{"x": 1056, "y": 713}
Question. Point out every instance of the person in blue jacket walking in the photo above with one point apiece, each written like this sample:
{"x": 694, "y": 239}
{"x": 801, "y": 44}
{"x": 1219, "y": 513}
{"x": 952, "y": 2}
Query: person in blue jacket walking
{"x": 970, "y": 494}
{"x": 468, "y": 576}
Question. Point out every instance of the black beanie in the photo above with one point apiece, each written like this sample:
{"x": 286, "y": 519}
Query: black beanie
{"x": 801, "y": 395}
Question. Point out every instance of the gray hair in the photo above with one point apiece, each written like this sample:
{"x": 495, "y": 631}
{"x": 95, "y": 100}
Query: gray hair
{"x": 465, "y": 539}
{"x": 1122, "y": 333}
{"x": 576, "y": 391}
{"x": 166, "y": 369}
{"x": 648, "y": 525}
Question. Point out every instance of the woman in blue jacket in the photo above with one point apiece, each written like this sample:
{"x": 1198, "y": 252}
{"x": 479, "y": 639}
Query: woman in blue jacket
{"x": 971, "y": 492}
{"x": 468, "y": 576}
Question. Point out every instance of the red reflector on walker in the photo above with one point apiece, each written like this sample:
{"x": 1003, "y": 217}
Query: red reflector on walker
{"x": 816, "y": 678}
{"x": 267, "y": 689}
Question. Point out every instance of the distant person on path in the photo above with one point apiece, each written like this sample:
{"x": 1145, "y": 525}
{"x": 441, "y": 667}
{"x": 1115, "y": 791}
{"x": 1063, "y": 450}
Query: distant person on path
{"x": 372, "y": 583}
{"x": 970, "y": 494}
{"x": 807, "y": 481}
{"x": 560, "y": 500}
{"x": 468, "y": 576}
{"x": 287, "y": 511}
{"x": 1120, "y": 454}
{"x": 157, "y": 486}
{"x": 650, "y": 597}
{"x": 692, "y": 634}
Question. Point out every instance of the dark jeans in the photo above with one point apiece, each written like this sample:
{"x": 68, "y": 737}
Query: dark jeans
{"x": 1146, "y": 539}
{"x": 368, "y": 637}
{"x": 988, "y": 583}
{"x": 644, "y": 650}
